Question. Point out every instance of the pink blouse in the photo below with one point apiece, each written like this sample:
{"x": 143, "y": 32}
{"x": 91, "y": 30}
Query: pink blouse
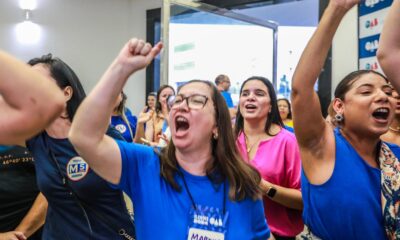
{"x": 278, "y": 161}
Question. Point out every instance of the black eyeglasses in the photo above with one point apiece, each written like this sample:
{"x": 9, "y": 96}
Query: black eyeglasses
{"x": 195, "y": 101}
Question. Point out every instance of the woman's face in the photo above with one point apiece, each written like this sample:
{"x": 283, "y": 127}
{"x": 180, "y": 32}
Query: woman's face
{"x": 254, "y": 101}
{"x": 193, "y": 128}
{"x": 164, "y": 94}
{"x": 368, "y": 107}
{"x": 396, "y": 97}
{"x": 283, "y": 109}
{"x": 151, "y": 101}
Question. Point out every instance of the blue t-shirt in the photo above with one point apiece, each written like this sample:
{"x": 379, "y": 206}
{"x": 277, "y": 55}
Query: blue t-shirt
{"x": 122, "y": 127}
{"x": 65, "y": 217}
{"x": 348, "y": 205}
{"x": 163, "y": 213}
{"x": 228, "y": 99}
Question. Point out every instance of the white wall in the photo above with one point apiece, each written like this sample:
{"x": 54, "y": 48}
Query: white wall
{"x": 86, "y": 34}
{"x": 345, "y": 48}
{"x": 136, "y": 86}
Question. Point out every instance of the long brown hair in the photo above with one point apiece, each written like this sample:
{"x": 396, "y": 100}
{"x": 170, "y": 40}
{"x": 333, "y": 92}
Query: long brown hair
{"x": 120, "y": 110}
{"x": 243, "y": 179}
{"x": 273, "y": 116}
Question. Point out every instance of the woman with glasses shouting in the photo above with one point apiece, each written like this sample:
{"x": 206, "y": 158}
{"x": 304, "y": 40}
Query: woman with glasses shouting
{"x": 197, "y": 187}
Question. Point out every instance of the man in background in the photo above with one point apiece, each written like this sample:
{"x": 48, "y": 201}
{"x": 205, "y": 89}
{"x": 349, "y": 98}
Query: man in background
{"x": 223, "y": 83}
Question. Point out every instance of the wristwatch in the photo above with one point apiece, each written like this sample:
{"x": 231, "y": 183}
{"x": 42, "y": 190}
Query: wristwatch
{"x": 271, "y": 192}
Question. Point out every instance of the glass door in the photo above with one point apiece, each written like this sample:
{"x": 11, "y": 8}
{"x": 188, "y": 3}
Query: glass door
{"x": 202, "y": 41}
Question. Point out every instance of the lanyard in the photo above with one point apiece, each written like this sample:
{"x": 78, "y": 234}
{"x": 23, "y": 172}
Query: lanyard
{"x": 191, "y": 197}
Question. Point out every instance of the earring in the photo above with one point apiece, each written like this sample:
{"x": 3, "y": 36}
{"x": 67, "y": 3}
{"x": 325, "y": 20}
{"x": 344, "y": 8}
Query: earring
{"x": 339, "y": 117}
{"x": 215, "y": 136}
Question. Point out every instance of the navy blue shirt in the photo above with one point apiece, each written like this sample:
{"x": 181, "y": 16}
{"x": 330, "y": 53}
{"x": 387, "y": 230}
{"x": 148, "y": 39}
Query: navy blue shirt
{"x": 65, "y": 216}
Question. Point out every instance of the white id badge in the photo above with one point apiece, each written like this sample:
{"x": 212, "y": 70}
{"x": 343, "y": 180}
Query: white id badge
{"x": 197, "y": 234}
{"x": 207, "y": 223}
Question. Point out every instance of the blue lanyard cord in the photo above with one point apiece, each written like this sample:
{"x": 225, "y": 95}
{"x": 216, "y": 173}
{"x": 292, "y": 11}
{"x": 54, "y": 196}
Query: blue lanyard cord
{"x": 192, "y": 199}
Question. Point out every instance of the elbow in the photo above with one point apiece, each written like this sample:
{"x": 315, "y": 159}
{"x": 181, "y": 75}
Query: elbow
{"x": 388, "y": 59}
{"x": 294, "y": 93}
{"x": 382, "y": 55}
{"x": 81, "y": 140}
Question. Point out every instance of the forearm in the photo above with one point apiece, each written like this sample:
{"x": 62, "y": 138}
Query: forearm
{"x": 315, "y": 53}
{"x": 288, "y": 197}
{"x": 305, "y": 102}
{"x": 389, "y": 45}
{"x": 19, "y": 79}
{"x": 139, "y": 133}
{"x": 93, "y": 115}
{"x": 25, "y": 94}
{"x": 35, "y": 217}
{"x": 149, "y": 132}
{"x": 88, "y": 129}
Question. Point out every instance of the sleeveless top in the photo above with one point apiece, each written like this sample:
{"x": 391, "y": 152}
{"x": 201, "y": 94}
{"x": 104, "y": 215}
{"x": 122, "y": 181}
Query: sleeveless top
{"x": 348, "y": 205}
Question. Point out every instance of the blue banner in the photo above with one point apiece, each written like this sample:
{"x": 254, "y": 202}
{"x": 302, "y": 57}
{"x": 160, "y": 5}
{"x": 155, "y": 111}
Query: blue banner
{"x": 369, "y": 6}
{"x": 368, "y": 46}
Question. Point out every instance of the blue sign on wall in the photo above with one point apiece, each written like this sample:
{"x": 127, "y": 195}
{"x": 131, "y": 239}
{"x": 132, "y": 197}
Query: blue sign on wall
{"x": 370, "y": 6}
{"x": 368, "y": 46}
{"x": 371, "y": 16}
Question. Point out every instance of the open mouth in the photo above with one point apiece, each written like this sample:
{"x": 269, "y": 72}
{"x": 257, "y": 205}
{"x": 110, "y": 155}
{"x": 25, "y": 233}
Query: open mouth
{"x": 250, "y": 106}
{"x": 181, "y": 124}
{"x": 381, "y": 113}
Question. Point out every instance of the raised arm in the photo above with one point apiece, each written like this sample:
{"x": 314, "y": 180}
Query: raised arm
{"x": 28, "y": 101}
{"x": 389, "y": 46}
{"x": 309, "y": 123}
{"x": 90, "y": 123}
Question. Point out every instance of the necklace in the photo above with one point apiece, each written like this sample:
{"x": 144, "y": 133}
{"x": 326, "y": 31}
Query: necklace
{"x": 249, "y": 148}
{"x": 397, "y": 129}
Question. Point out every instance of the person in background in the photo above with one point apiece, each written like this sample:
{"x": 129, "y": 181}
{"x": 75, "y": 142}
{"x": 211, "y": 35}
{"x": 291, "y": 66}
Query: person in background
{"x": 199, "y": 174}
{"x": 24, "y": 101}
{"x": 22, "y": 207}
{"x": 81, "y": 205}
{"x": 151, "y": 102}
{"x": 264, "y": 142}
{"x": 123, "y": 120}
{"x": 158, "y": 123}
{"x": 285, "y": 111}
{"x": 223, "y": 84}
{"x": 345, "y": 187}
{"x": 393, "y": 135}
